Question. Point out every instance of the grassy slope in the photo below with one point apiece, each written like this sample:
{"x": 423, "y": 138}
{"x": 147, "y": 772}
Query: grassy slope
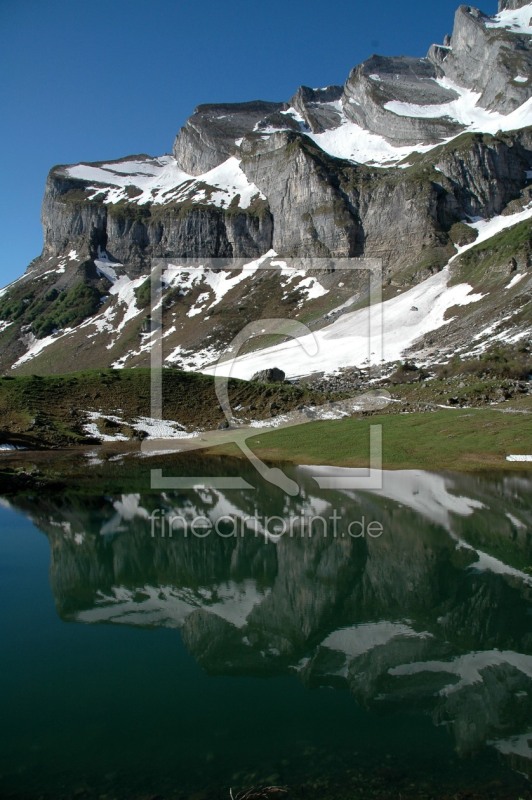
{"x": 50, "y": 412}
{"x": 484, "y": 263}
{"x": 464, "y": 440}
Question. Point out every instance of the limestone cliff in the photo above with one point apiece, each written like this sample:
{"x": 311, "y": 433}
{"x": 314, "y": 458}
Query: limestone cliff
{"x": 385, "y": 166}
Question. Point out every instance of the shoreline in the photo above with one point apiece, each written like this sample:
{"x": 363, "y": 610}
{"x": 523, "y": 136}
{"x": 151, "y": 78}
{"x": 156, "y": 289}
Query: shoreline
{"x": 418, "y": 441}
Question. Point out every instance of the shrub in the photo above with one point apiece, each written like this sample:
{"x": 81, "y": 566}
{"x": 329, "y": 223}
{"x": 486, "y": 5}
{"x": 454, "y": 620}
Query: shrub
{"x": 143, "y": 294}
{"x": 499, "y": 361}
{"x": 69, "y": 309}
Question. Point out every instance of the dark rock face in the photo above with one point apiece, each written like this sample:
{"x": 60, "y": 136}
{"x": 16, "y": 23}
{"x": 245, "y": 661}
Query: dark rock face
{"x": 317, "y": 107}
{"x": 133, "y": 234}
{"x": 329, "y": 208}
{"x": 382, "y": 80}
{"x": 313, "y": 216}
{"x": 65, "y": 221}
{"x": 209, "y": 136}
{"x": 511, "y": 4}
{"x": 505, "y": 55}
{"x": 486, "y": 173}
{"x": 272, "y": 375}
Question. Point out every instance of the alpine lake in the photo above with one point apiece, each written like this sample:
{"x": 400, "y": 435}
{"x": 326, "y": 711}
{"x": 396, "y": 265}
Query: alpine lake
{"x": 205, "y": 640}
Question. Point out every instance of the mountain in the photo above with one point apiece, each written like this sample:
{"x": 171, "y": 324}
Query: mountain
{"x": 425, "y": 164}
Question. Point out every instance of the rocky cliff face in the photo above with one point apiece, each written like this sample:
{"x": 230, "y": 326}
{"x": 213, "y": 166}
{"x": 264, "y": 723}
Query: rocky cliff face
{"x": 381, "y": 81}
{"x": 209, "y": 137}
{"x": 512, "y": 4}
{"x": 134, "y": 234}
{"x": 385, "y": 166}
{"x": 508, "y": 56}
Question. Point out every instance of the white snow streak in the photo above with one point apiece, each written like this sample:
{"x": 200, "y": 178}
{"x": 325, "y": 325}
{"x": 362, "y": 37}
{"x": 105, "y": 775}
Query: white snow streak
{"x": 346, "y": 342}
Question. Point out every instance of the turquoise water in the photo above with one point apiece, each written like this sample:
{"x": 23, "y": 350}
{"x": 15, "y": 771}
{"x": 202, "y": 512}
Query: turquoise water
{"x": 136, "y": 665}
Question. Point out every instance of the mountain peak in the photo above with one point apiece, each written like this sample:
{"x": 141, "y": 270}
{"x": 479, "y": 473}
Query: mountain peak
{"x": 406, "y": 162}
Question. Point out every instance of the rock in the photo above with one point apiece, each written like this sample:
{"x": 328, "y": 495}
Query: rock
{"x": 208, "y": 137}
{"x": 316, "y": 106}
{"x": 363, "y": 212}
{"x": 384, "y": 79}
{"x": 313, "y": 217}
{"x": 272, "y": 375}
{"x": 511, "y": 4}
{"x": 485, "y": 172}
{"x": 492, "y": 76}
{"x": 133, "y": 234}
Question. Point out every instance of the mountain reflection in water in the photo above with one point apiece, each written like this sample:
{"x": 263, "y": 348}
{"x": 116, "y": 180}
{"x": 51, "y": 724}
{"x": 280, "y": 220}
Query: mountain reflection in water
{"x": 431, "y": 617}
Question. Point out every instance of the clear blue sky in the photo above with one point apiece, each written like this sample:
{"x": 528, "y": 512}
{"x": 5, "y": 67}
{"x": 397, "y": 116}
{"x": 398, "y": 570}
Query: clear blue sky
{"x": 86, "y": 80}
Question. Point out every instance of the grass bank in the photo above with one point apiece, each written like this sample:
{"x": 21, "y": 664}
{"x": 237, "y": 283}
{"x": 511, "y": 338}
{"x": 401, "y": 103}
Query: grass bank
{"x": 454, "y": 439}
{"x": 50, "y": 412}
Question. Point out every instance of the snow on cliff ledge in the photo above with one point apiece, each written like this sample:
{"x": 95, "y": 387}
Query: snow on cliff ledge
{"x": 159, "y": 180}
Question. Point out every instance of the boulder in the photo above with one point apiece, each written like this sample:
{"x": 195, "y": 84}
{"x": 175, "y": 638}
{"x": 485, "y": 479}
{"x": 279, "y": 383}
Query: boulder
{"x": 272, "y": 375}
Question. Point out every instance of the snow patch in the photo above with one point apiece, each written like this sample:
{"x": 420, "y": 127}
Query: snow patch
{"x": 465, "y": 110}
{"x": 428, "y": 494}
{"x": 490, "y": 227}
{"x": 291, "y": 112}
{"x": 106, "y": 270}
{"x": 487, "y": 563}
{"x": 160, "y": 180}
{"x": 515, "y": 522}
{"x": 92, "y": 429}
{"x": 194, "y": 360}
{"x": 161, "y": 428}
{"x": 356, "y": 640}
{"x": 515, "y": 280}
{"x": 354, "y": 143}
{"x": 516, "y": 20}
{"x": 520, "y": 745}
{"x": 346, "y": 342}
{"x": 218, "y": 283}
{"x": 468, "y": 668}
{"x": 36, "y": 346}
{"x": 312, "y": 288}
{"x": 169, "y": 606}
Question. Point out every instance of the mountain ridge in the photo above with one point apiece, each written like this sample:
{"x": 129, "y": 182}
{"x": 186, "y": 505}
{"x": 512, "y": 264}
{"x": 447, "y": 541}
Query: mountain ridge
{"x": 409, "y": 151}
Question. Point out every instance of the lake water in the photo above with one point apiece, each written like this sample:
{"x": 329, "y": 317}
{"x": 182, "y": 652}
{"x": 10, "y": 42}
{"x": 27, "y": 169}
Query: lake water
{"x": 265, "y": 644}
